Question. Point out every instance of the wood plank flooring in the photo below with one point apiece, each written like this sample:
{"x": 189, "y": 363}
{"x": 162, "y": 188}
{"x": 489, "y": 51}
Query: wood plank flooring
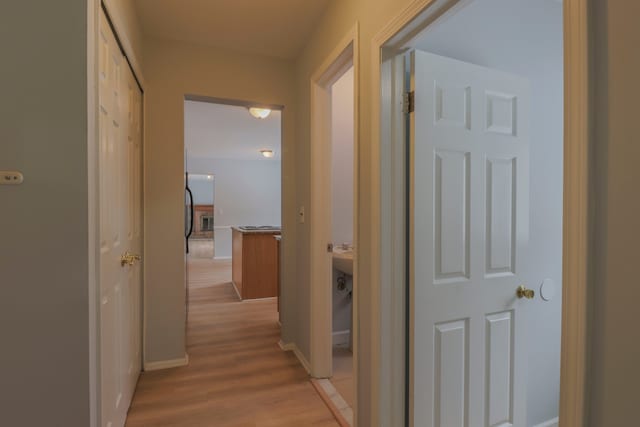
{"x": 237, "y": 375}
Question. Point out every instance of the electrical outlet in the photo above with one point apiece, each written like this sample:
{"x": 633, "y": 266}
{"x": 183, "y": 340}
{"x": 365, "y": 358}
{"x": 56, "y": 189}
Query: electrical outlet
{"x": 11, "y": 178}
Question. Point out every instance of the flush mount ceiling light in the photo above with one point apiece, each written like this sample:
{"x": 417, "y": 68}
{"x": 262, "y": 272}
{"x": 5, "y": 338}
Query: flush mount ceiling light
{"x": 259, "y": 113}
{"x": 267, "y": 153}
{"x": 210, "y": 177}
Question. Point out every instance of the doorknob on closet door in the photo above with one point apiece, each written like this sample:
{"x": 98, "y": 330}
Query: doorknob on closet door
{"x": 129, "y": 259}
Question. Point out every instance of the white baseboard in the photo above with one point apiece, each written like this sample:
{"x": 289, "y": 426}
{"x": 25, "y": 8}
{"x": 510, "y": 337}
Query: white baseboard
{"x": 220, "y": 258}
{"x": 341, "y": 338}
{"x": 292, "y": 347}
{"x": 166, "y": 364}
{"x": 550, "y": 423}
{"x": 235, "y": 288}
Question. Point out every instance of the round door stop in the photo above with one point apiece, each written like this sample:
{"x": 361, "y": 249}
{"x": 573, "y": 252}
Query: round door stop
{"x": 547, "y": 289}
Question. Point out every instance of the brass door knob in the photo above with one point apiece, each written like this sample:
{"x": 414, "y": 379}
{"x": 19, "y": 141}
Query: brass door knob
{"x": 129, "y": 259}
{"x": 523, "y": 292}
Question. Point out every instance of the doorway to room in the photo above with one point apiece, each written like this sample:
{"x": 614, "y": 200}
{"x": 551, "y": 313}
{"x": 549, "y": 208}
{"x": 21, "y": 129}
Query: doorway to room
{"x": 481, "y": 153}
{"x": 334, "y": 276}
{"x": 232, "y": 216}
{"x": 233, "y": 198}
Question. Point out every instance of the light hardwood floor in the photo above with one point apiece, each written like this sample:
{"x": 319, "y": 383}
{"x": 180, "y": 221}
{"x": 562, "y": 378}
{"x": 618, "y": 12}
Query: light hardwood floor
{"x": 237, "y": 375}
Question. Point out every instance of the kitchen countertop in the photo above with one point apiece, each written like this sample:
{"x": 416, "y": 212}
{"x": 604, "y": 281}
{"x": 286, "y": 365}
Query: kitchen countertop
{"x": 273, "y": 230}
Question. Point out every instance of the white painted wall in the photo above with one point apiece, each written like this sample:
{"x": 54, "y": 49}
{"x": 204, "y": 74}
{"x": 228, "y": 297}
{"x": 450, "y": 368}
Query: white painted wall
{"x": 342, "y": 158}
{"x": 524, "y": 37}
{"x": 202, "y": 189}
{"x": 247, "y": 193}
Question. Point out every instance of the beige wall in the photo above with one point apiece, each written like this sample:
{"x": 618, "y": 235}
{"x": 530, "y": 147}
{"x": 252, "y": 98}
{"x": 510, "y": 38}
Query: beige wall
{"x": 179, "y": 69}
{"x": 615, "y": 352}
{"x": 173, "y": 70}
{"x": 125, "y": 20}
{"x": 44, "y": 235}
{"x": 335, "y": 24}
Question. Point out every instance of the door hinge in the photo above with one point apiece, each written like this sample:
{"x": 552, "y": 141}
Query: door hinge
{"x": 409, "y": 102}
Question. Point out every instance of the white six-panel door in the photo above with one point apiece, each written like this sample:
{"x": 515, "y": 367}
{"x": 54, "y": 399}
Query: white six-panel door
{"x": 120, "y": 156}
{"x": 468, "y": 230}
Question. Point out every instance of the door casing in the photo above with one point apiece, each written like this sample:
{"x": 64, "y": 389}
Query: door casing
{"x": 389, "y": 239}
{"x": 344, "y": 55}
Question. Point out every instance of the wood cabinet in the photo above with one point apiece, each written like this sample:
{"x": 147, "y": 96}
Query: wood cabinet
{"x": 255, "y": 263}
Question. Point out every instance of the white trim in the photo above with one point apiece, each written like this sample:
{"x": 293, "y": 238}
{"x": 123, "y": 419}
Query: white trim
{"x": 95, "y": 395}
{"x": 550, "y": 423}
{"x": 337, "y": 405}
{"x": 388, "y": 276}
{"x": 221, "y": 258}
{"x": 286, "y": 347}
{"x": 294, "y": 348}
{"x": 166, "y": 364}
{"x": 576, "y": 236}
{"x": 340, "y": 338}
{"x": 342, "y": 56}
{"x": 235, "y": 288}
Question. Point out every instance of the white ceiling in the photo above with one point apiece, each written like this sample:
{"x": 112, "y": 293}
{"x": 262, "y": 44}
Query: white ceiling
{"x": 216, "y": 131}
{"x": 277, "y": 28}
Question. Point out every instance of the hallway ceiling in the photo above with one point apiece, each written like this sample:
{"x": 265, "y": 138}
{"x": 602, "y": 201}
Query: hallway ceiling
{"x": 276, "y": 28}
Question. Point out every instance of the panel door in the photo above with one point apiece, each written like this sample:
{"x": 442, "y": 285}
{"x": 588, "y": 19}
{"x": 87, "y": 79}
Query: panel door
{"x": 120, "y": 229}
{"x": 132, "y": 330}
{"x": 134, "y": 232}
{"x": 468, "y": 232}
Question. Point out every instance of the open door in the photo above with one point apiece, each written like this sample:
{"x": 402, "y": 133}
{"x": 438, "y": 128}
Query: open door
{"x": 469, "y": 230}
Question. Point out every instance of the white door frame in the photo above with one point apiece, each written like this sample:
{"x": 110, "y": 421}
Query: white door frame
{"x": 341, "y": 58}
{"x": 93, "y": 247}
{"x": 388, "y": 236}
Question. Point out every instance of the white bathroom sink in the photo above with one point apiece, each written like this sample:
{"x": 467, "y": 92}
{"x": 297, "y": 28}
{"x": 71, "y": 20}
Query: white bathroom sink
{"x": 343, "y": 260}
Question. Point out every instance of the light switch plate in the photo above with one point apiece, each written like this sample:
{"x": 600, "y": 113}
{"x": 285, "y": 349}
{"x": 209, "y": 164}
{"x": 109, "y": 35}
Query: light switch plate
{"x": 11, "y": 178}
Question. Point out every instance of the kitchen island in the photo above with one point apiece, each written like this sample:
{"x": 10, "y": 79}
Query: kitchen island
{"x": 255, "y": 261}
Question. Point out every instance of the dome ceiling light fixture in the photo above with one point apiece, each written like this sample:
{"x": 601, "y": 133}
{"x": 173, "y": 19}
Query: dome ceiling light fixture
{"x": 259, "y": 113}
{"x": 267, "y": 153}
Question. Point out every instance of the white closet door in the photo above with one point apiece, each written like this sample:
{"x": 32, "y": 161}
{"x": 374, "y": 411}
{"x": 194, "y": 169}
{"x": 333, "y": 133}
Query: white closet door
{"x": 469, "y": 228}
{"x": 120, "y": 229}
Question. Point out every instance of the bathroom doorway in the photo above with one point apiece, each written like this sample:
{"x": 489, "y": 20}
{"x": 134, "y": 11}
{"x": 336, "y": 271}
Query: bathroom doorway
{"x": 334, "y": 171}
{"x": 342, "y": 234}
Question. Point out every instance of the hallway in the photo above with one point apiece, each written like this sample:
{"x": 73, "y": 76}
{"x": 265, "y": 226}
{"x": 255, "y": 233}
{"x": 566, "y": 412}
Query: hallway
{"x": 237, "y": 374}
